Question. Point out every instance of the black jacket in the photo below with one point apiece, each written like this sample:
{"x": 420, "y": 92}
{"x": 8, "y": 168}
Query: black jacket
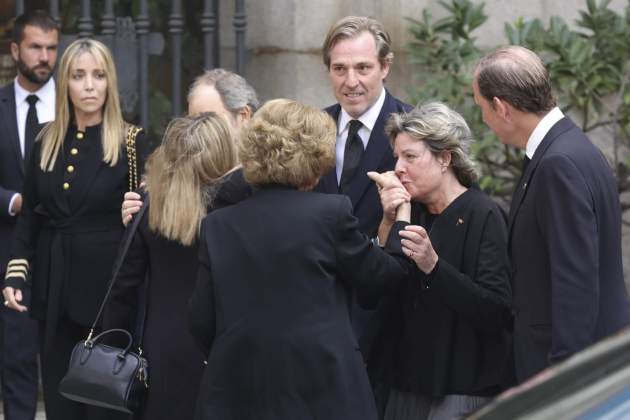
{"x": 565, "y": 249}
{"x": 449, "y": 333}
{"x": 70, "y": 235}
{"x": 270, "y": 303}
{"x": 11, "y": 170}
{"x": 175, "y": 360}
{"x": 378, "y": 157}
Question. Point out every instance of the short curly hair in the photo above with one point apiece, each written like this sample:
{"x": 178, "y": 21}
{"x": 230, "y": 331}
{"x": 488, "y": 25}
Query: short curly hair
{"x": 287, "y": 143}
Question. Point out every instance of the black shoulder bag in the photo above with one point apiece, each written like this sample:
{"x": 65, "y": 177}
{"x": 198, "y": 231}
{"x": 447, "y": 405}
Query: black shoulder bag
{"x": 103, "y": 375}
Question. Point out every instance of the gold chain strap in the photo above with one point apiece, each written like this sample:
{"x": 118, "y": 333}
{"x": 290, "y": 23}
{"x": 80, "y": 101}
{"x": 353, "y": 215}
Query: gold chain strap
{"x": 132, "y": 133}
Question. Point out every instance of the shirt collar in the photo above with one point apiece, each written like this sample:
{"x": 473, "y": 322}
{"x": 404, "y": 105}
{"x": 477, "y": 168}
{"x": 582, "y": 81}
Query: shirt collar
{"x": 368, "y": 118}
{"x": 46, "y": 93}
{"x": 541, "y": 131}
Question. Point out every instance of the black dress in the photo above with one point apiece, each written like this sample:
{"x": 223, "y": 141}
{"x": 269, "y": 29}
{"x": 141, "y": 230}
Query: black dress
{"x": 175, "y": 360}
{"x": 69, "y": 231}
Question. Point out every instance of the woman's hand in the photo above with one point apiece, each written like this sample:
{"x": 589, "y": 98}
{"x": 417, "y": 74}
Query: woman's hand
{"x": 130, "y": 206}
{"x": 391, "y": 192}
{"x": 417, "y": 246}
{"x": 12, "y": 299}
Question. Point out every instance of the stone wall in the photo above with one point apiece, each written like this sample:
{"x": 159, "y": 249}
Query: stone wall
{"x": 284, "y": 39}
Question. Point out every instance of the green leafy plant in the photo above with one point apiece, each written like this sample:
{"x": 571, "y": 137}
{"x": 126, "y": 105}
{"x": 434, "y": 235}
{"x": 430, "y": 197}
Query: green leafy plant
{"x": 589, "y": 68}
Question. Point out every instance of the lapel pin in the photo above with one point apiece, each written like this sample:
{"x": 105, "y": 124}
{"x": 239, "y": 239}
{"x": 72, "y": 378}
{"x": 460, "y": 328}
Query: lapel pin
{"x": 524, "y": 185}
{"x": 460, "y": 221}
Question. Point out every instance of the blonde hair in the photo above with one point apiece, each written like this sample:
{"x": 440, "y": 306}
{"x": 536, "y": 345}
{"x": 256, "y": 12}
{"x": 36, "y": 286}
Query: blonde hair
{"x": 288, "y": 143}
{"x": 113, "y": 127}
{"x": 196, "y": 152}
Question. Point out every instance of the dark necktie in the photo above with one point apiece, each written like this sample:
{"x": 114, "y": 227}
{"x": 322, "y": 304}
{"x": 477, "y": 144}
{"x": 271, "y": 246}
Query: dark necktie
{"x": 352, "y": 155}
{"x": 30, "y": 130}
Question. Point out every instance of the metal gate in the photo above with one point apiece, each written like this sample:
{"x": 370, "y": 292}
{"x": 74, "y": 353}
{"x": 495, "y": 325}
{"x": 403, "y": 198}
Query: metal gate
{"x": 132, "y": 42}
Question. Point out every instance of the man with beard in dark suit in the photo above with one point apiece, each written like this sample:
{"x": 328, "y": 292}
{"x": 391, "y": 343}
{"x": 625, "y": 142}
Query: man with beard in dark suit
{"x": 357, "y": 54}
{"x": 24, "y": 104}
{"x": 564, "y": 230}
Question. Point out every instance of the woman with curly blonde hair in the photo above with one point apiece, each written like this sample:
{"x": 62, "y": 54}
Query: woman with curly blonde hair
{"x": 270, "y": 303}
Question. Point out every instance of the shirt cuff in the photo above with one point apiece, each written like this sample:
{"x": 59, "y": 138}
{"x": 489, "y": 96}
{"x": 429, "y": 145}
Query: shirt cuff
{"x": 11, "y": 204}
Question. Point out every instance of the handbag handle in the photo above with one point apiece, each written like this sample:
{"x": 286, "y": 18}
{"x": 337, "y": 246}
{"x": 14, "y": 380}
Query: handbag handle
{"x": 117, "y": 265}
{"x": 120, "y": 357}
{"x": 90, "y": 342}
{"x": 130, "y": 144}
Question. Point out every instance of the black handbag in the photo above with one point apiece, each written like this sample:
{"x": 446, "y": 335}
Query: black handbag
{"x": 106, "y": 376}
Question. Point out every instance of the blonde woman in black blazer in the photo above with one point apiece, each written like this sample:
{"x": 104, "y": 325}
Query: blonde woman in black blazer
{"x": 445, "y": 347}
{"x": 68, "y": 233}
{"x": 270, "y": 302}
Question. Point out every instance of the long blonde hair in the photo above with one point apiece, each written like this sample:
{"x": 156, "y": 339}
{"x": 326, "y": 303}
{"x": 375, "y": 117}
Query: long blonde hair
{"x": 196, "y": 152}
{"x": 112, "y": 135}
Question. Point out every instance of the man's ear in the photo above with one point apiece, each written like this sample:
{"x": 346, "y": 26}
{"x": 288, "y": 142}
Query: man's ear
{"x": 502, "y": 108}
{"x": 15, "y": 51}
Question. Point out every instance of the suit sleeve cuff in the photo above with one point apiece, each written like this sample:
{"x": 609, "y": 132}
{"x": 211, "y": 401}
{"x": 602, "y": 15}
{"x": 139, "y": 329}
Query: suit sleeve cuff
{"x": 17, "y": 273}
{"x": 11, "y": 204}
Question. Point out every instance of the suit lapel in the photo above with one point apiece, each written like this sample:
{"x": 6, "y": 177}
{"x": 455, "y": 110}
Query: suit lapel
{"x": 521, "y": 189}
{"x": 7, "y": 101}
{"x": 377, "y": 147}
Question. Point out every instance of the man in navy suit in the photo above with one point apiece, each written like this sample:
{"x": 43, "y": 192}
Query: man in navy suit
{"x": 565, "y": 218}
{"x": 24, "y": 103}
{"x": 357, "y": 54}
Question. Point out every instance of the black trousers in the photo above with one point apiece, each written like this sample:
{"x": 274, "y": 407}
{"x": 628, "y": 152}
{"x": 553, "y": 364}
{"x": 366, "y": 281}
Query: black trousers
{"x": 18, "y": 351}
{"x": 55, "y": 357}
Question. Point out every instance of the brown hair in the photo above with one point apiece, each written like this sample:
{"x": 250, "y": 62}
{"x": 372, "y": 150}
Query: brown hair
{"x": 353, "y": 26}
{"x": 36, "y": 18}
{"x": 517, "y": 76}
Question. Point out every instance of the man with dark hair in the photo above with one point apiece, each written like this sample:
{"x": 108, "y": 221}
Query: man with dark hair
{"x": 357, "y": 55}
{"x": 24, "y": 104}
{"x": 565, "y": 218}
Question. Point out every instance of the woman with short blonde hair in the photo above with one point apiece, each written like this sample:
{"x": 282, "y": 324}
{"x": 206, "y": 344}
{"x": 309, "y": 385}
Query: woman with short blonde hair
{"x": 270, "y": 303}
{"x": 68, "y": 232}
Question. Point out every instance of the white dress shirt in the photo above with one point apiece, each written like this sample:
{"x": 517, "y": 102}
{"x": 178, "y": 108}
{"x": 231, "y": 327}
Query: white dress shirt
{"x": 541, "y": 131}
{"x": 45, "y": 106}
{"x": 45, "y": 112}
{"x": 368, "y": 119}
